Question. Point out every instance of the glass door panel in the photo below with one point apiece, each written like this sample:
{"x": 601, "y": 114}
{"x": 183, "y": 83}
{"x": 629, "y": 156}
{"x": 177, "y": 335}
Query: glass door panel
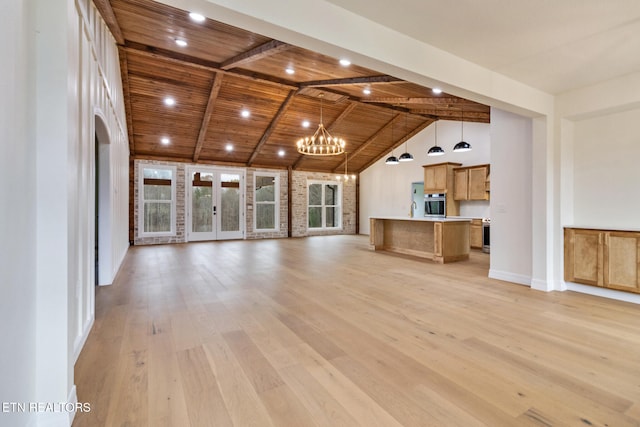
{"x": 215, "y": 209}
{"x": 230, "y": 218}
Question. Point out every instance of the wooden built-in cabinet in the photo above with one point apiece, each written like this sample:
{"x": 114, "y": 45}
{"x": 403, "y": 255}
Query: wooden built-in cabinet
{"x": 605, "y": 258}
{"x": 470, "y": 183}
{"x": 438, "y": 178}
{"x": 475, "y": 233}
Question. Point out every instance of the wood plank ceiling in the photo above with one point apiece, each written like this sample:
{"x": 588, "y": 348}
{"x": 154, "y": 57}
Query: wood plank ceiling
{"x": 224, "y": 70}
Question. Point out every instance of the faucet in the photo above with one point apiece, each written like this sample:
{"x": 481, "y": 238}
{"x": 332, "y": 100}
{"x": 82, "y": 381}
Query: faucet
{"x": 414, "y": 206}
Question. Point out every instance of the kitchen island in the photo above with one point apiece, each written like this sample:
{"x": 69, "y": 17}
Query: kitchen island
{"x": 439, "y": 239}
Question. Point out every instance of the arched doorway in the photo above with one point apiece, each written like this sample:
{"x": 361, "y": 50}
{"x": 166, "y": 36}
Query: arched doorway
{"x": 103, "y": 211}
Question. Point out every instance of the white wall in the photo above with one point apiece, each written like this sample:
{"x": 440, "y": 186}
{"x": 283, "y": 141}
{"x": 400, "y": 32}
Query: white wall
{"x": 511, "y": 197}
{"x": 386, "y": 189}
{"x": 597, "y": 133}
{"x": 60, "y": 67}
{"x": 606, "y": 175}
{"x": 17, "y": 211}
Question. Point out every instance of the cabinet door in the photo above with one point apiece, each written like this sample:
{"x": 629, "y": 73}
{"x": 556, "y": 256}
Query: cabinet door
{"x": 477, "y": 184}
{"x": 461, "y": 184}
{"x": 621, "y": 260}
{"x": 583, "y": 256}
{"x": 435, "y": 179}
{"x": 475, "y": 235}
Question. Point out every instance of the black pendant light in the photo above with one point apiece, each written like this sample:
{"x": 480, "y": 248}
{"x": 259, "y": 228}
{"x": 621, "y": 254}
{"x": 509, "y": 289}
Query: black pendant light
{"x": 462, "y": 146}
{"x": 406, "y": 156}
{"x": 391, "y": 160}
{"x": 435, "y": 150}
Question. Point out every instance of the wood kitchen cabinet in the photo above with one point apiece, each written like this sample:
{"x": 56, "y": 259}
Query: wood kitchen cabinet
{"x": 438, "y": 178}
{"x": 475, "y": 233}
{"x": 604, "y": 258}
{"x": 470, "y": 183}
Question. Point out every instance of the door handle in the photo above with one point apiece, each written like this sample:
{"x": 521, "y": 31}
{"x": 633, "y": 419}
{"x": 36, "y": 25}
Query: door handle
{"x": 214, "y": 210}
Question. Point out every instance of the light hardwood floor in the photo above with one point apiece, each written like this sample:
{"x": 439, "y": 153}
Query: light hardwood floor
{"x": 323, "y": 332}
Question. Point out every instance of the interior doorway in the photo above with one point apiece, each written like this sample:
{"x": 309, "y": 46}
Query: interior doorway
{"x": 102, "y": 243}
{"x": 215, "y": 204}
{"x": 417, "y": 199}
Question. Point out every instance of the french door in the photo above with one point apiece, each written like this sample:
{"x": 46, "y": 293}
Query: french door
{"x": 215, "y": 208}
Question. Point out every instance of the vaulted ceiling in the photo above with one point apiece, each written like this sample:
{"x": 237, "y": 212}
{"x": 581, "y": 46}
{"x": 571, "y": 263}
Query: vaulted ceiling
{"x": 223, "y": 70}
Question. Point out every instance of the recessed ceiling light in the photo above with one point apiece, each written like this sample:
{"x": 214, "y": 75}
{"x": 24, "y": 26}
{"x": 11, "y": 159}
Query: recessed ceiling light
{"x": 281, "y": 153}
{"x": 169, "y": 102}
{"x": 181, "y": 43}
{"x": 436, "y": 90}
{"x": 305, "y": 124}
{"x": 165, "y": 140}
{"x": 345, "y": 62}
{"x": 290, "y": 70}
{"x": 245, "y": 113}
{"x": 229, "y": 147}
{"x": 196, "y": 17}
{"x": 366, "y": 91}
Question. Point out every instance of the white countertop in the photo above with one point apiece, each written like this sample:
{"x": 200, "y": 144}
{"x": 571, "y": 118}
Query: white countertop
{"x": 423, "y": 218}
{"x": 592, "y": 227}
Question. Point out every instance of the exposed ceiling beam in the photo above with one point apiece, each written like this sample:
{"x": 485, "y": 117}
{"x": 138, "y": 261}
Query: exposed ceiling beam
{"x": 106, "y": 11}
{"x": 267, "y": 49}
{"x": 339, "y": 119}
{"x": 202, "y": 64}
{"x": 124, "y": 71}
{"x": 369, "y": 141}
{"x": 213, "y": 96}
{"x": 471, "y": 116}
{"x": 351, "y": 81}
{"x": 420, "y": 100}
{"x": 397, "y": 144}
{"x": 274, "y": 122}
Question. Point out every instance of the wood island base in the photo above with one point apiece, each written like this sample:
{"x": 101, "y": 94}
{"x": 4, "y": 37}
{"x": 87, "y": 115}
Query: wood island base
{"x": 442, "y": 240}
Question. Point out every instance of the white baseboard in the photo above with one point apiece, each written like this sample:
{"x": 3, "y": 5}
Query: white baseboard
{"x": 81, "y": 339}
{"x": 602, "y": 292}
{"x": 58, "y": 419}
{"x": 510, "y": 277}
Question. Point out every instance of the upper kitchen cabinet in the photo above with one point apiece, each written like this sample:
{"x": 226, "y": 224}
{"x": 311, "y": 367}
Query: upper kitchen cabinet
{"x": 438, "y": 178}
{"x": 470, "y": 183}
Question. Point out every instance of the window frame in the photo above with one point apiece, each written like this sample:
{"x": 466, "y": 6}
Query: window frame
{"x": 141, "y": 200}
{"x": 276, "y": 202}
{"x": 338, "y": 207}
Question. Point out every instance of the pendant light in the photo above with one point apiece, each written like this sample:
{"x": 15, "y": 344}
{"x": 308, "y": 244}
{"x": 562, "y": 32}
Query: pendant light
{"x": 462, "y": 146}
{"x": 406, "y": 156}
{"x": 435, "y": 150}
{"x": 391, "y": 160}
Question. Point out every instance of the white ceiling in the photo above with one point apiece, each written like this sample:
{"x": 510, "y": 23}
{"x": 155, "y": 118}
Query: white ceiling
{"x": 553, "y": 45}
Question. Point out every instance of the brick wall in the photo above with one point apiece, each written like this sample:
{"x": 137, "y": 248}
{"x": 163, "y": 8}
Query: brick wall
{"x": 299, "y": 204}
{"x": 283, "y": 220}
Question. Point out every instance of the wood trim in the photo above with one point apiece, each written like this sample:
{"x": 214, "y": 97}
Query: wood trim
{"x": 106, "y": 11}
{"x": 421, "y": 100}
{"x": 213, "y": 96}
{"x": 274, "y": 122}
{"x": 124, "y": 70}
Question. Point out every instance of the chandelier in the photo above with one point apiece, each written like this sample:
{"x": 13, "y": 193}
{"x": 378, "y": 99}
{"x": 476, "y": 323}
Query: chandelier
{"x": 321, "y": 143}
{"x": 346, "y": 176}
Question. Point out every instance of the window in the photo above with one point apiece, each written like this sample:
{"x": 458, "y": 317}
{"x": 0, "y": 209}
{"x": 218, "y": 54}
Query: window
{"x": 157, "y": 196}
{"x": 267, "y": 202}
{"x": 325, "y": 204}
